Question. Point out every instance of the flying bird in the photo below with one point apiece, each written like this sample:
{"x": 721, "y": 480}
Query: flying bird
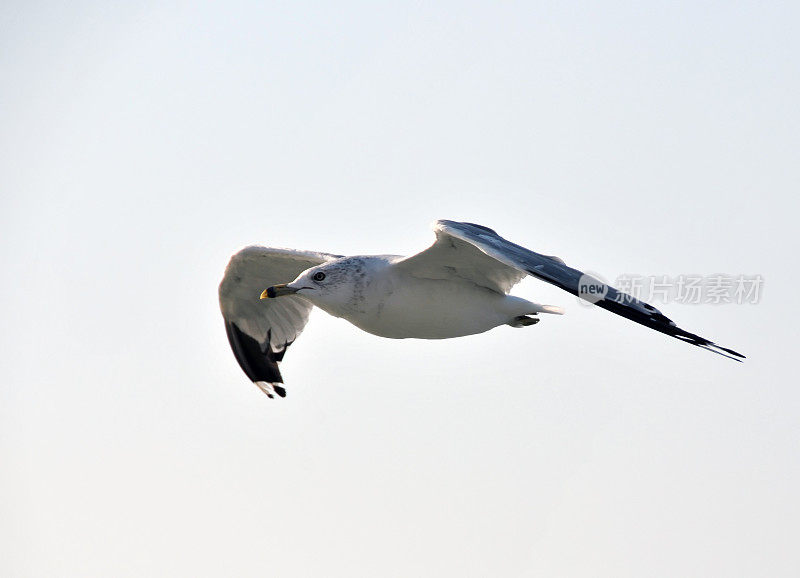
{"x": 458, "y": 286}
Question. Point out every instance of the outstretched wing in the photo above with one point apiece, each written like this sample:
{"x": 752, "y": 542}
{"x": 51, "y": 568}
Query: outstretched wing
{"x": 259, "y": 331}
{"x": 496, "y": 249}
{"x": 450, "y": 256}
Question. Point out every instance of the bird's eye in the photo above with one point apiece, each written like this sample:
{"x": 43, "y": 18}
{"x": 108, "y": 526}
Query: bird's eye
{"x": 318, "y": 276}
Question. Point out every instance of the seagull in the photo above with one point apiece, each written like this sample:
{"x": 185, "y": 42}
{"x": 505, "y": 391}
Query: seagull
{"x": 458, "y": 286}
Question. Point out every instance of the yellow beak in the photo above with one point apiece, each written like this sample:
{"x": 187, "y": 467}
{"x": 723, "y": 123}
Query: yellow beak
{"x": 277, "y": 291}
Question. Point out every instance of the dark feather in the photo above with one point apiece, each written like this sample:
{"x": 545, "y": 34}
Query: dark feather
{"x": 258, "y": 362}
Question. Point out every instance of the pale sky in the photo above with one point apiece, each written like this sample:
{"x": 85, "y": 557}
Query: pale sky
{"x": 141, "y": 145}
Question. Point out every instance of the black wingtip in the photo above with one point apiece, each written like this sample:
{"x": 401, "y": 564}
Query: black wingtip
{"x": 732, "y": 352}
{"x": 714, "y": 348}
{"x": 258, "y": 363}
{"x": 735, "y": 355}
{"x": 704, "y": 343}
{"x": 649, "y": 316}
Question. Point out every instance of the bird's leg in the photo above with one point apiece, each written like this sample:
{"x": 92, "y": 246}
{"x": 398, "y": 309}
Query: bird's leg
{"x": 524, "y": 320}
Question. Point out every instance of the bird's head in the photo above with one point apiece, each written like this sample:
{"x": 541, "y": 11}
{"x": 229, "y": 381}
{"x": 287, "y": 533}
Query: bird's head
{"x": 334, "y": 286}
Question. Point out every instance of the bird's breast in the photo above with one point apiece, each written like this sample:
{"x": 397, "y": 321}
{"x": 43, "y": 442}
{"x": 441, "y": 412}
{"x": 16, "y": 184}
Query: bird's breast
{"x": 426, "y": 308}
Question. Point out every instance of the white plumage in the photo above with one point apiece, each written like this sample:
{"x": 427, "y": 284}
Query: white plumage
{"x": 458, "y": 286}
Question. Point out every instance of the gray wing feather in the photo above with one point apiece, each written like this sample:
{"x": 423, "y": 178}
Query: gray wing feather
{"x": 554, "y": 271}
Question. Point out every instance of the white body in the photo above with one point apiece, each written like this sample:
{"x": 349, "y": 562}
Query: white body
{"x": 389, "y": 301}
